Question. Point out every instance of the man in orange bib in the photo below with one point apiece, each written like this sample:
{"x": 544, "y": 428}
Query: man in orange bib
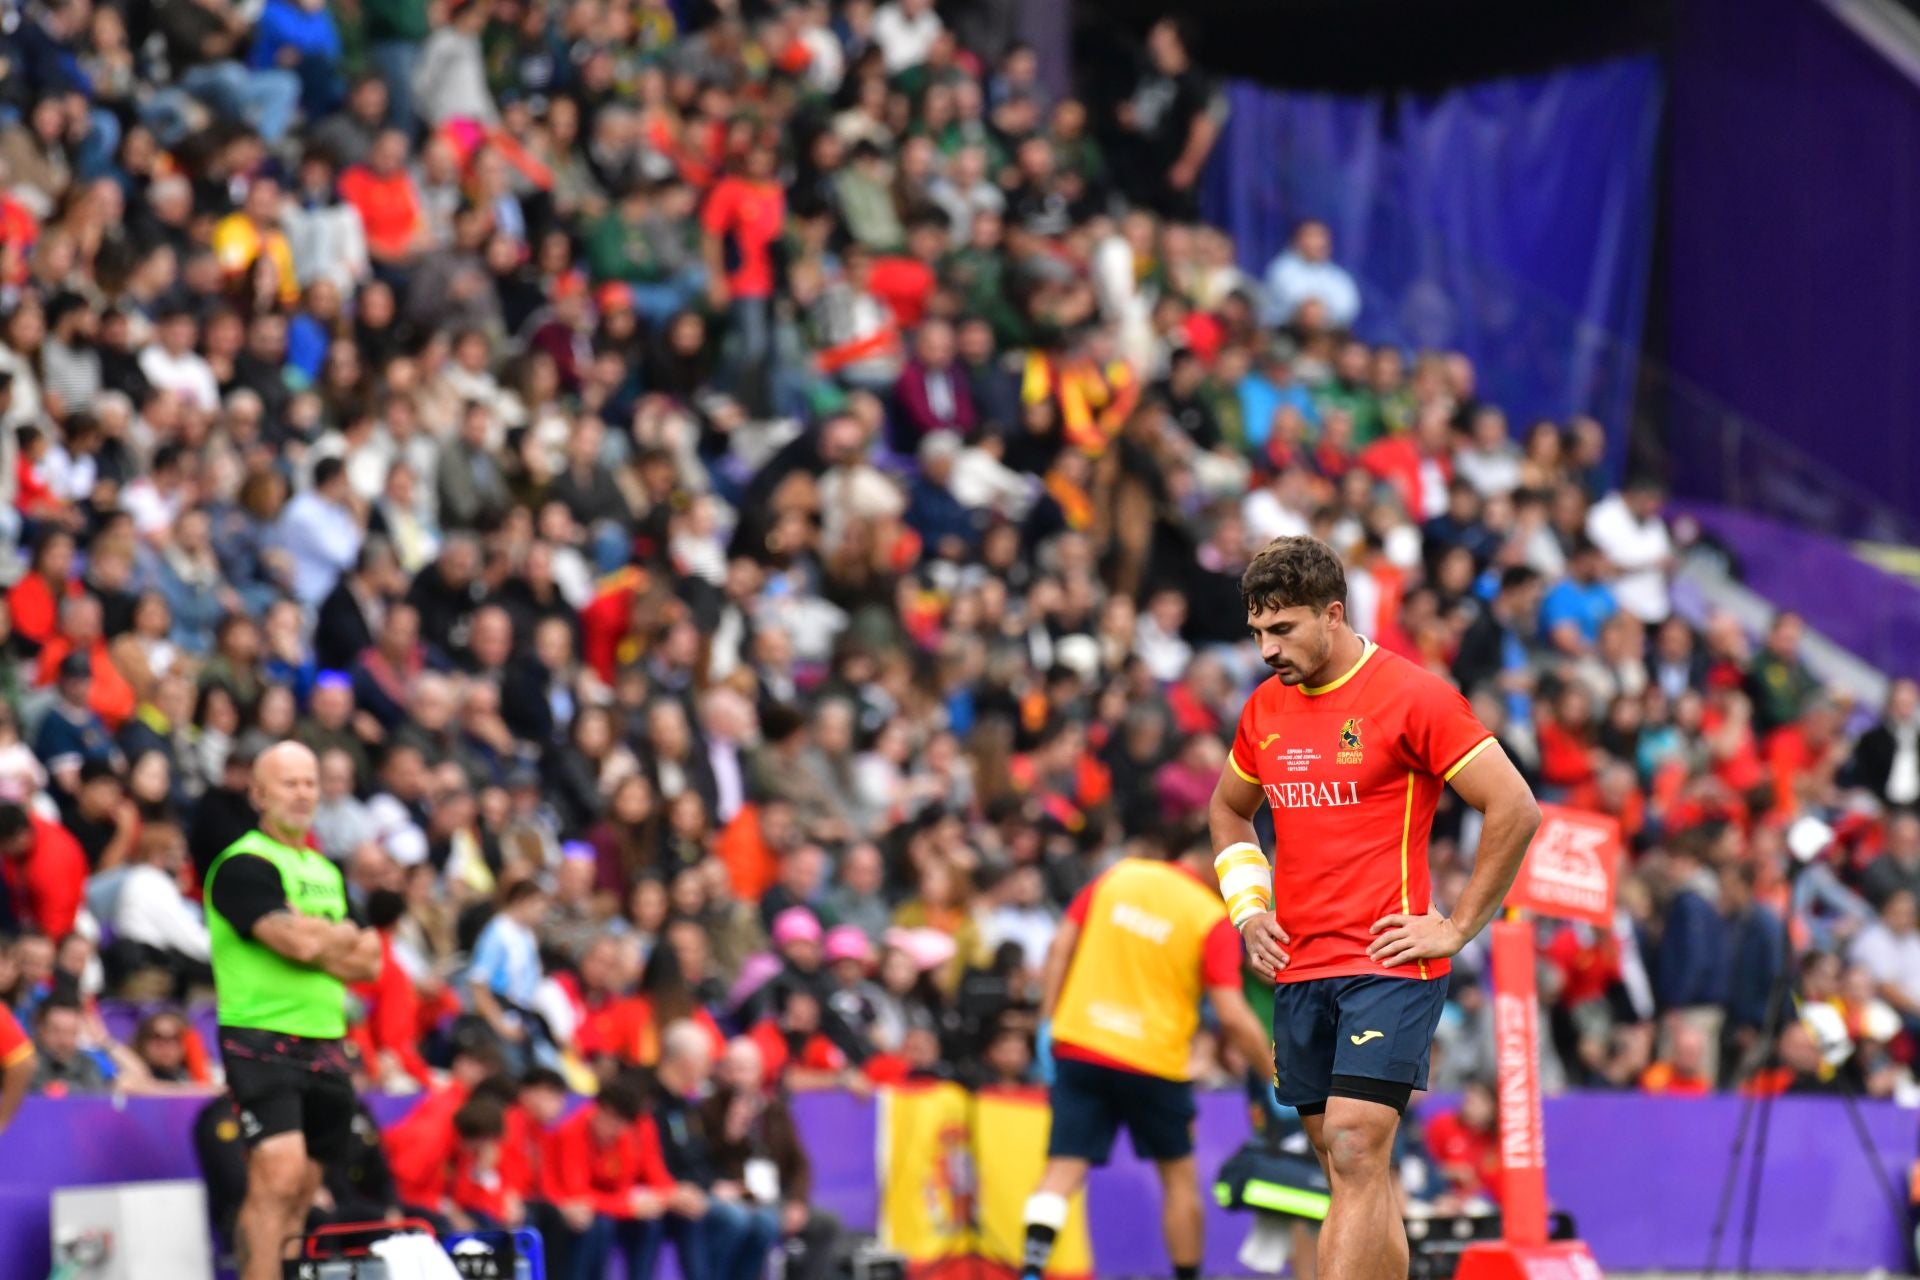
{"x": 1137, "y": 951}
{"x": 1350, "y": 746}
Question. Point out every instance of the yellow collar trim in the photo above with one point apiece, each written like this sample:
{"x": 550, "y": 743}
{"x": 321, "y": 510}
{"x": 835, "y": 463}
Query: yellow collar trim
{"x": 1366, "y": 652}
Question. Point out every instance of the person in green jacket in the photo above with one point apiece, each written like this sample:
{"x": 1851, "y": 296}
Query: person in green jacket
{"x": 396, "y": 31}
{"x": 283, "y": 954}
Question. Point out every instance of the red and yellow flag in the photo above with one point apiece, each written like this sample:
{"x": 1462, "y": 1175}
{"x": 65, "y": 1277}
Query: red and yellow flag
{"x": 955, "y": 1174}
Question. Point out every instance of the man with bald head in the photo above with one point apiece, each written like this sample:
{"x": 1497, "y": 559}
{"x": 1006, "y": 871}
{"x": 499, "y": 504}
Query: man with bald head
{"x": 283, "y": 952}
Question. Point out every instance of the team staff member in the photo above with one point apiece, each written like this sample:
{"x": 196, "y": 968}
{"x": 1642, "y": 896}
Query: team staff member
{"x": 283, "y": 952}
{"x": 1124, "y": 977}
{"x": 1350, "y": 747}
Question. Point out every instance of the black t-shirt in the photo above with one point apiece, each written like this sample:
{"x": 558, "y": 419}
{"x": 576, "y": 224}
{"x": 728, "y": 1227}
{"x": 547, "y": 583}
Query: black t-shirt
{"x": 1164, "y": 109}
{"x": 92, "y": 836}
{"x": 246, "y": 890}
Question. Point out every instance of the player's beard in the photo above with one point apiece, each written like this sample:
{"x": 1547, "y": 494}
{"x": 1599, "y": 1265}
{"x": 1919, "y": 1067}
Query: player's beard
{"x": 1292, "y": 673}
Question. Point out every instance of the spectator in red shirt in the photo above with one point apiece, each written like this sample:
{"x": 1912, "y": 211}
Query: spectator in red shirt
{"x": 793, "y": 1050}
{"x": 906, "y": 282}
{"x": 1465, "y": 1146}
{"x": 604, "y": 1175}
{"x": 44, "y": 869}
{"x": 389, "y": 1033}
{"x": 35, "y": 599}
{"x": 1682, "y": 1069}
{"x": 1805, "y": 754}
{"x": 744, "y": 217}
{"x": 469, "y": 1181}
{"x": 420, "y": 1146}
{"x": 383, "y": 192}
{"x": 530, "y": 1122}
{"x": 82, "y": 634}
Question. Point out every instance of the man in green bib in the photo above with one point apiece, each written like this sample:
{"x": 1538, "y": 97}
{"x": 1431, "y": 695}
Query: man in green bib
{"x": 283, "y": 954}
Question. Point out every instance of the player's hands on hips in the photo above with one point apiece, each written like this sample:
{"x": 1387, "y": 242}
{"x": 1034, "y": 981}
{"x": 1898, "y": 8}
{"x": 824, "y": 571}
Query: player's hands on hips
{"x": 1265, "y": 938}
{"x": 1402, "y": 939}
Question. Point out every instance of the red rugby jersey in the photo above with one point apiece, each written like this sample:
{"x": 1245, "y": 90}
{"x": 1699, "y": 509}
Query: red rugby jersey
{"x": 1353, "y": 771}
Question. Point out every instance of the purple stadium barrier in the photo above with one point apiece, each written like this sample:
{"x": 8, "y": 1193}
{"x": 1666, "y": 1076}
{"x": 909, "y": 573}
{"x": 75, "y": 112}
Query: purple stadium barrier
{"x": 1641, "y": 1175}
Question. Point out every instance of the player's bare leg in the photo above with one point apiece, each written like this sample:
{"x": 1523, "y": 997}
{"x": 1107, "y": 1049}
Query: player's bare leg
{"x": 1363, "y": 1237}
{"x": 278, "y": 1174}
{"x": 1181, "y": 1214}
{"x": 1046, "y": 1212}
{"x": 1306, "y": 1245}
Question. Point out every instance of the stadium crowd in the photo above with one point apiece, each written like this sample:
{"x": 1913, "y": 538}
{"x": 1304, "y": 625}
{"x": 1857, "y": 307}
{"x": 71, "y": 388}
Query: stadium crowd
{"x": 745, "y": 501}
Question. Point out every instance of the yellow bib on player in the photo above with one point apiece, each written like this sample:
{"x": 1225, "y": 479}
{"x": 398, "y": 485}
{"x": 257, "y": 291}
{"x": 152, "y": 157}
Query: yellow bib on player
{"x": 1132, "y": 992}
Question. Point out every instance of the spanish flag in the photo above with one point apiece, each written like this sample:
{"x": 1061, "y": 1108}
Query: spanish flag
{"x": 955, "y": 1173}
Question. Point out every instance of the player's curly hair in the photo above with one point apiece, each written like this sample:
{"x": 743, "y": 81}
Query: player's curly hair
{"x": 1292, "y": 572}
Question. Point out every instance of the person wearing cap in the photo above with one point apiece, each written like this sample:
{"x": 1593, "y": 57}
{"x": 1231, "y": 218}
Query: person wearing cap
{"x": 283, "y": 953}
{"x": 72, "y": 733}
{"x": 850, "y": 958}
{"x": 797, "y": 936}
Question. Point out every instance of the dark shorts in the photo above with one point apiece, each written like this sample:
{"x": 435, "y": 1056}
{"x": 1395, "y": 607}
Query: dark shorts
{"x": 289, "y": 1084}
{"x": 1361, "y": 1036}
{"x": 1091, "y": 1102}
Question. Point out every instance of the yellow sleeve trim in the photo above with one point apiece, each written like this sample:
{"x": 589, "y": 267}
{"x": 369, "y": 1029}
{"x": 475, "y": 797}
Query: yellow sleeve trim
{"x": 1244, "y": 775}
{"x": 1467, "y": 759}
{"x": 20, "y": 1054}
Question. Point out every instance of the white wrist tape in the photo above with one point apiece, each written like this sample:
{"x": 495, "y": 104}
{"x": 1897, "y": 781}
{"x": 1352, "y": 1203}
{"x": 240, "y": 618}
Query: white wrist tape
{"x": 1246, "y": 880}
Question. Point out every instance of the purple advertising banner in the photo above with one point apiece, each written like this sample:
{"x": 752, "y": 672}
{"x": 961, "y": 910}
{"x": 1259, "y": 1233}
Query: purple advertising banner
{"x": 1642, "y": 1177}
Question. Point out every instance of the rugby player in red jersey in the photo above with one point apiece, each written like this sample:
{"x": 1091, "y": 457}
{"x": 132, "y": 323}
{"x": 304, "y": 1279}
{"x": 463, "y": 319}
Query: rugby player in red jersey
{"x": 1349, "y": 745}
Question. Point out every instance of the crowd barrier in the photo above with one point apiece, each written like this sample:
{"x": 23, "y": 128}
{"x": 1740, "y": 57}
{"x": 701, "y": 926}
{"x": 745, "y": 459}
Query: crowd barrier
{"x": 1641, "y": 1175}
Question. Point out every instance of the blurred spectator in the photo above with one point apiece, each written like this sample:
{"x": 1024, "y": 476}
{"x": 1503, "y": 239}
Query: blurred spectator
{"x": 602, "y": 1173}
{"x": 505, "y": 977}
{"x": 1897, "y": 869}
{"x": 1886, "y": 760}
{"x": 1465, "y": 1149}
{"x": 1889, "y": 952}
{"x": 1630, "y": 533}
{"x": 733, "y": 1241}
{"x": 154, "y": 927}
{"x": 65, "y": 1068}
{"x": 757, "y": 1148}
{"x": 1694, "y": 959}
{"x": 1306, "y": 271}
{"x": 1778, "y": 681}
{"x": 44, "y": 869}
{"x": 1686, "y": 1068}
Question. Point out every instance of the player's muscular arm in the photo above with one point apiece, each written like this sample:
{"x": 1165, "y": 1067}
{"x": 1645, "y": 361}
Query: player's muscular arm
{"x": 1230, "y": 812}
{"x": 1230, "y": 822}
{"x": 308, "y": 940}
{"x": 1492, "y": 785}
{"x": 360, "y": 961}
